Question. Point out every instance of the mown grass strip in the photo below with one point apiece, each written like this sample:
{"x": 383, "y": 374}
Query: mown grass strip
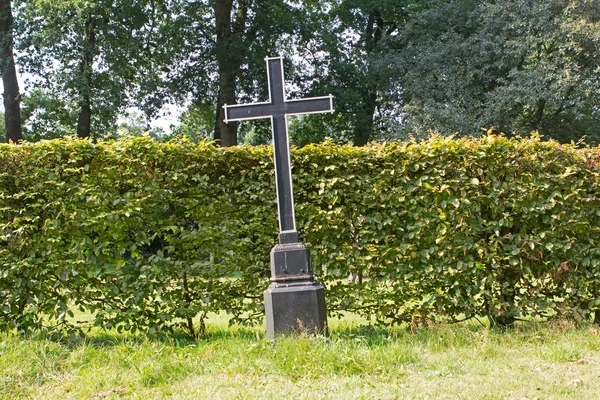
{"x": 546, "y": 361}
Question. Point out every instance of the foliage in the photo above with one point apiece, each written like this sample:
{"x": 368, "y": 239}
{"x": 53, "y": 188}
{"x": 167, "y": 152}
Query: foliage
{"x": 515, "y": 66}
{"x": 94, "y": 54}
{"x": 147, "y": 236}
{"x": 47, "y": 116}
{"x": 397, "y": 68}
{"x": 344, "y": 56}
{"x": 134, "y": 124}
{"x": 197, "y": 122}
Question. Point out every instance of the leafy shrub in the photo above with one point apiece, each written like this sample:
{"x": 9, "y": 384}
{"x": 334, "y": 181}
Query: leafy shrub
{"x": 148, "y": 236}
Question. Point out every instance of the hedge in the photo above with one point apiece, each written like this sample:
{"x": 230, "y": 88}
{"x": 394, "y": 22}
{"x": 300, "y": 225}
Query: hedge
{"x": 151, "y": 236}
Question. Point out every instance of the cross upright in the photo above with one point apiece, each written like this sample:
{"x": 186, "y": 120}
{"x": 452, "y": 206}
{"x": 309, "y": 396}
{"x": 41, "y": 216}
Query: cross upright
{"x": 278, "y": 108}
{"x": 294, "y": 301}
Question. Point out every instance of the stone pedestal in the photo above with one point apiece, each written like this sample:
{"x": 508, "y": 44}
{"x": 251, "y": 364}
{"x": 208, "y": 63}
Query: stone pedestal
{"x": 294, "y": 302}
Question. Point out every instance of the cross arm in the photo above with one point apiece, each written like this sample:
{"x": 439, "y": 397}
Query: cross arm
{"x": 309, "y": 106}
{"x": 242, "y": 112}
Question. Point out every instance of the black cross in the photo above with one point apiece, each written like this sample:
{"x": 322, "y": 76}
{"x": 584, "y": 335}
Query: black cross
{"x": 278, "y": 108}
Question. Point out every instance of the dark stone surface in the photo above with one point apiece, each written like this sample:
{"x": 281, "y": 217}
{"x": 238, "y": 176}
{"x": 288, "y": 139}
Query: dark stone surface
{"x": 290, "y": 261}
{"x": 277, "y": 108}
{"x": 295, "y": 307}
{"x": 288, "y": 237}
{"x": 294, "y": 301}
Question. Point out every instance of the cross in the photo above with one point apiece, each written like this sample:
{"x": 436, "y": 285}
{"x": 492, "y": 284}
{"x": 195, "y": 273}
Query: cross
{"x": 278, "y": 108}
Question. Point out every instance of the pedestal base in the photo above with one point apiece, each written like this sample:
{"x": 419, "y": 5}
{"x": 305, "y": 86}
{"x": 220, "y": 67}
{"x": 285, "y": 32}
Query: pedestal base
{"x": 295, "y": 306}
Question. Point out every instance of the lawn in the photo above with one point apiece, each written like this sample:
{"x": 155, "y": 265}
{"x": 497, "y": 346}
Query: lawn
{"x": 462, "y": 361}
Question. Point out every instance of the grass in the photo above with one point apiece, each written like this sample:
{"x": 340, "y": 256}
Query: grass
{"x": 544, "y": 361}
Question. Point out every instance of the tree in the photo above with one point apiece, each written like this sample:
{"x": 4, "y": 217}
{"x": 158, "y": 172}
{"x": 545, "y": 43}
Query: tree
{"x": 395, "y": 67}
{"x": 369, "y": 49}
{"x": 197, "y": 122}
{"x": 515, "y": 66}
{"x": 12, "y": 109}
{"x": 230, "y": 55}
{"x": 47, "y": 115}
{"x": 96, "y": 56}
{"x": 221, "y": 59}
{"x": 346, "y": 54}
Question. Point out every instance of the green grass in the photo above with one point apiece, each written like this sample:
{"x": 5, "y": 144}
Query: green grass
{"x": 545, "y": 361}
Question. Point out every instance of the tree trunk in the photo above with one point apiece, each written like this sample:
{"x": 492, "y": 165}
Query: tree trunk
{"x": 226, "y": 134}
{"x": 12, "y": 108}
{"x": 84, "y": 122}
{"x": 538, "y": 114}
{"x": 85, "y": 114}
{"x": 363, "y": 129}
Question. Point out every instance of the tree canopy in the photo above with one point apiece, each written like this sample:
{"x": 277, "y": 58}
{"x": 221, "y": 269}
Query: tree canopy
{"x": 515, "y": 66}
{"x": 397, "y": 68}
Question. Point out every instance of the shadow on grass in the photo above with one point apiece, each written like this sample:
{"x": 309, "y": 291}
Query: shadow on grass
{"x": 368, "y": 335}
{"x": 372, "y": 336}
{"x": 176, "y": 337}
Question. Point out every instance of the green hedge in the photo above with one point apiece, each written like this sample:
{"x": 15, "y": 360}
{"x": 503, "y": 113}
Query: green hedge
{"x": 147, "y": 236}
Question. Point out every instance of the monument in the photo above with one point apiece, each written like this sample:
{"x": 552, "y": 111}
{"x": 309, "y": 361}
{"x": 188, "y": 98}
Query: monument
{"x": 294, "y": 301}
